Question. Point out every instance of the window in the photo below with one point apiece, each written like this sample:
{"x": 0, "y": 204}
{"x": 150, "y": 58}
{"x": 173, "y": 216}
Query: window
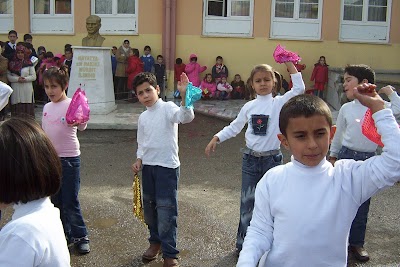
{"x": 228, "y": 17}
{"x": 296, "y": 19}
{"x": 365, "y": 21}
{"x": 117, "y": 16}
{"x": 6, "y": 16}
{"x": 52, "y": 16}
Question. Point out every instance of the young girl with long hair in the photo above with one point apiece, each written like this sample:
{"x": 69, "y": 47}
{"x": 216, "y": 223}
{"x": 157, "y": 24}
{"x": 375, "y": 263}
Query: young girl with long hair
{"x": 65, "y": 140}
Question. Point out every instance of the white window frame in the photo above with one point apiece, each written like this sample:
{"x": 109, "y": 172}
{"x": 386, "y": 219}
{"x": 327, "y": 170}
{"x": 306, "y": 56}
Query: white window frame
{"x": 58, "y": 24}
{"x": 112, "y": 23}
{"x": 231, "y": 26}
{"x": 296, "y": 28}
{"x": 7, "y": 20}
{"x": 365, "y": 31}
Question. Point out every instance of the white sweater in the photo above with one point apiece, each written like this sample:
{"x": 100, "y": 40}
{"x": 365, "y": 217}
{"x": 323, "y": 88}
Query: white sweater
{"x": 265, "y": 105}
{"x": 157, "y": 134}
{"x": 348, "y": 123}
{"x": 34, "y": 237}
{"x": 302, "y": 215}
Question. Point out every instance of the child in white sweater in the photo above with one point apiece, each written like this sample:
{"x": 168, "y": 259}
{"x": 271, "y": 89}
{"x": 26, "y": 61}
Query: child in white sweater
{"x": 303, "y": 209}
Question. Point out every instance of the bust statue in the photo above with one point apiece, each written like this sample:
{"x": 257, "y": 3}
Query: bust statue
{"x": 93, "y": 24}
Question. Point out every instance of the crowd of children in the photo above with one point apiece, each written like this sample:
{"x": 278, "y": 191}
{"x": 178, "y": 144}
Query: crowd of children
{"x": 280, "y": 204}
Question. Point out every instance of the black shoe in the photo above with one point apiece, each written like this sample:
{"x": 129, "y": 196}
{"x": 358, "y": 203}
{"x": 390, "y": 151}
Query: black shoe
{"x": 359, "y": 253}
{"x": 82, "y": 245}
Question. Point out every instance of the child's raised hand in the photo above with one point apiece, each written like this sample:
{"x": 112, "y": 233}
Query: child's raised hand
{"x": 291, "y": 67}
{"x": 211, "y": 146}
{"x": 367, "y": 95}
{"x": 387, "y": 90}
{"x": 183, "y": 83}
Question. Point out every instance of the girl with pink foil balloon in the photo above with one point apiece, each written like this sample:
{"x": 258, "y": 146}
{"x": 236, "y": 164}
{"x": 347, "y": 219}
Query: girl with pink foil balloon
{"x": 262, "y": 151}
{"x": 64, "y": 138}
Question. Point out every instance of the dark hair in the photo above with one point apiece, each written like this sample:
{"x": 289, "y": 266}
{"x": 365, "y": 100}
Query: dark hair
{"x": 135, "y": 51}
{"x": 115, "y": 47}
{"x": 126, "y": 41}
{"x": 278, "y": 84}
{"x": 147, "y": 47}
{"x": 13, "y": 32}
{"x": 68, "y": 49}
{"x": 178, "y": 61}
{"x": 28, "y": 45}
{"x": 159, "y": 56}
{"x": 2, "y": 44}
{"x": 67, "y": 45}
{"x": 218, "y": 57}
{"x": 41, "y": 49}
{"x": 49, "y": 54}
{"x": 58, "y": 75}
{"x": 27, "y": 36}
{"x": 30, "y": 168}
{"x": 212, "y": 78}
{"x": 361, "y": 72}
{"x": 144, "y": 77}
{"x": 321, "y": 57}
{"x": 303, "y": 106}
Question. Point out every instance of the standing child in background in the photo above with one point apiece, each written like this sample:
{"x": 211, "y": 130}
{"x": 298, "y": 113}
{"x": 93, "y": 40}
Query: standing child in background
{"x": 320, "y": 76}
{"x": 34, "y": 236}
{"x": 147, "y": 59}
{"x": 179, "y": 68}
{"x": 193, "y": 70}
{"x": 10, "y": 47}
{"x": 47, "y": 63}
{"x": 135, "y": 66}
{"x": 208, "y": 87}
{"x": 161, "y": 75}
{"x": 219, "y": 70}
{"x": 224, "y": 89}
{"x": 64, "y": 139}
{"x": 262, "y": 151}
{"x": 238, "y": 88}
{"x": 121, "y": 78}
{"x": 350, "y": 143}
{"x": 68, "y": 59}
{"x": 303, "y": 209}
{"x": 157, "y": 157}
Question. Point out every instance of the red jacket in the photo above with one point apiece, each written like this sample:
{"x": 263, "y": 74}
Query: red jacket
{"x": 178, "y": 69}
{"x": 320, "y": 73}
{"x": 135, "y": 66}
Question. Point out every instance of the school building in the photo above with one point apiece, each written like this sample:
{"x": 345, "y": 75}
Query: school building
{"x": 243, "y": 32}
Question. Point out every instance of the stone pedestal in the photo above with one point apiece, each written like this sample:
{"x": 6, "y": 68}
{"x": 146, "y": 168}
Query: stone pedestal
{"x": 91, "y": 70}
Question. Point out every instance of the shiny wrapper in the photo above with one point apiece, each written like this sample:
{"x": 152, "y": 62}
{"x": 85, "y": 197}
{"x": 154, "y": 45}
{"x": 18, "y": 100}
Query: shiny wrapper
{"x": 137, "y": 199}
{"x": 193, "y": 94}
{"x": 281, "y": 55}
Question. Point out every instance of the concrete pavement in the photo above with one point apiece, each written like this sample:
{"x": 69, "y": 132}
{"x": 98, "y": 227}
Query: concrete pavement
{"x": 125, "y": 116}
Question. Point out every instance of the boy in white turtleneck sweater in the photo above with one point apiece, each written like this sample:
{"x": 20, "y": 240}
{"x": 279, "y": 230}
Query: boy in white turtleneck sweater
{"x": 350, "y": 143}
{"x": 303, "y": 209}
{"x": 157, "y": 153}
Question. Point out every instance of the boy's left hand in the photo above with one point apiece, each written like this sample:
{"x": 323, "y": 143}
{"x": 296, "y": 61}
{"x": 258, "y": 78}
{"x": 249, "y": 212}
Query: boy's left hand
{"x": 183, "y": 83}
{"x": 367, "y": 95}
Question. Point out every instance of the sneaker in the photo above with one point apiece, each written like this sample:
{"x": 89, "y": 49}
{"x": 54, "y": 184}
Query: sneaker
{"x": 82, "y": 245}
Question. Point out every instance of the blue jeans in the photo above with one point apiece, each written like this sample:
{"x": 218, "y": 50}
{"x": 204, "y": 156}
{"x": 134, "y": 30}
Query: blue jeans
{"x": 253, "y": 169}
{"x": 67, "y": 199}
{"x": 160, "y": 206}
{"x": 359, "y": 225}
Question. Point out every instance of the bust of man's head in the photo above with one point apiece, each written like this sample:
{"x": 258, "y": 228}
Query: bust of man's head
{"x": 93, "y": 24}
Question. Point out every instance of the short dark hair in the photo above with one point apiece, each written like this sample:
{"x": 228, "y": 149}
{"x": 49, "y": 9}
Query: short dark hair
{"x": 303, "y": 106}
{"x": 218, "y": 57}
{"x": 159, "y": 56}
{"x": 361, "y": 72}
{"x": 28, "y": 45}
{"x": 13, "y": 32}
{"x": 67, "y": 45}
{"x": 27, "y": 36}
{"x": 49, "y": 54}
{"x": 147, "y": 47}
{"x": 144, "y": 77}
{"x": 68, "y": 49}
{"x": 135, "y": 51}
{"x": 178, "y": 61}
{"x": 30, "y": 167}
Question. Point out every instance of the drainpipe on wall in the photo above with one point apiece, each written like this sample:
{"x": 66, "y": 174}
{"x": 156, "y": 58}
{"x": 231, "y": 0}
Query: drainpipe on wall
{"x": 168, "y": 40}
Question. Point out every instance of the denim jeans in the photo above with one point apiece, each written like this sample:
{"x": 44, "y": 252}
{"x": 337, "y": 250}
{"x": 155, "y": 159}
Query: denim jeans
{"x": 253, "y": 169}
{"x": 67, "y": 199}
{"x": 359, "y": 225}
{"x": 160, "y": 206}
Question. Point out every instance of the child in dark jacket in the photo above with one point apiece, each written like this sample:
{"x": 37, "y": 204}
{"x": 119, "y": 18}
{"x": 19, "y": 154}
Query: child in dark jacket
{"x": 219, "y": 69}
{"x": 159, "y": 72}
{"x": 147, "y": 59}
{"x": 238, "y": 87}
